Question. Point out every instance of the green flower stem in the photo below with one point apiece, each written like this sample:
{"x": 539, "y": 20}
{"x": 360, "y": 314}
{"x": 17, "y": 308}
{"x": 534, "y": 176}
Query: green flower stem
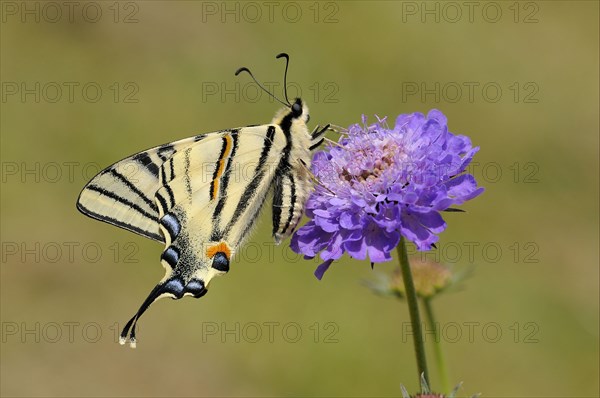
{"x": 439, "y": 355}
{"x": 413, "y": 309}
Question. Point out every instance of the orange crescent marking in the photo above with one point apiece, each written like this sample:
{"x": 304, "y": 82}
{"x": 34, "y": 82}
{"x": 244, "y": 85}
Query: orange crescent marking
{"x": 219, "y": 247}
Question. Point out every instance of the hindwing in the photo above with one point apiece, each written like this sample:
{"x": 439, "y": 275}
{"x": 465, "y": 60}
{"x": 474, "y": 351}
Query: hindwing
{"x": 214, "y": 198}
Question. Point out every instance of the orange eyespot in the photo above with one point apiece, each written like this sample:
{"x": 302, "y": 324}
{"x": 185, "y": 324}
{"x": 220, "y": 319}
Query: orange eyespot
{"x": 219, "y": 247}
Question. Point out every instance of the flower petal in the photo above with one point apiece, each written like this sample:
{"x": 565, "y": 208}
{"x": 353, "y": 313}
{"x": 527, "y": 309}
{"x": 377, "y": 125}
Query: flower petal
{"x": 380, "y": 244}
{"x": 321, "y": 269}
{"x": 356, "y": 249}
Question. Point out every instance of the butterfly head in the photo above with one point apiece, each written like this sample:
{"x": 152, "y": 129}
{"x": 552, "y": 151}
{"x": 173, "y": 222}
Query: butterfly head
{"x": 299, "y": 110}
{"x": 296, "y": 112}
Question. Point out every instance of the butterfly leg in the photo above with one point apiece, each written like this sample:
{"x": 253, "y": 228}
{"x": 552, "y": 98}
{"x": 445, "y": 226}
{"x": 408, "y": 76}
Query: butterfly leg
{"x": 318, "y": 131}
{"x": 317, "y": 137}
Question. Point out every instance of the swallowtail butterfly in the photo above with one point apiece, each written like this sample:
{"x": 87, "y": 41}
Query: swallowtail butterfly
{"x": 190, "y": 195}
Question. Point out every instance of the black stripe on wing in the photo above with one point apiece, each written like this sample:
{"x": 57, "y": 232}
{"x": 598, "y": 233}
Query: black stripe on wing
{"x": 277, "y": 204}
{"x": 171, "y": 195}
{"x": 227, "y": 172}
{"x": 123, "y": 201}
{"x": 250, "y": 190}
{"x": 163, "y": 204}
{"x": 119, "y": 223}
{"x": 292, "y": 204}
{"x": 225, "y": 179}
{"x": 133, "y": 188}
{"x": 280, "y": 202}
{"x": 147, "y": 162}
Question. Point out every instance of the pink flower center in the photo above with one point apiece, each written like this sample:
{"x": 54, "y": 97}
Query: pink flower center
{"x": 380, "y": 154}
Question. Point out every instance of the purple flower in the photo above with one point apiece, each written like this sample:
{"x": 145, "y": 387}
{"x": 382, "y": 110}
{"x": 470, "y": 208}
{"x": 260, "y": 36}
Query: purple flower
{"x": 377, "y": 184}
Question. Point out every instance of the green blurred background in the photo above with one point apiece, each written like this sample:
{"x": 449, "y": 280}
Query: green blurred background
{"x": 165, "y": 71}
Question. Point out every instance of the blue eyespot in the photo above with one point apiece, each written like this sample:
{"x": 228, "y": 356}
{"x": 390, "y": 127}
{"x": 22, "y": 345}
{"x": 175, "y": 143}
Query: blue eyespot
{"x": 175, "y": 287}
{"x": 196, "y": 288}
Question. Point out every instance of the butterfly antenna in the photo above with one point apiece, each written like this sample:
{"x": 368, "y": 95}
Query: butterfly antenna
{"x": 244, "y": 69}
{"x": 287, "y": 62}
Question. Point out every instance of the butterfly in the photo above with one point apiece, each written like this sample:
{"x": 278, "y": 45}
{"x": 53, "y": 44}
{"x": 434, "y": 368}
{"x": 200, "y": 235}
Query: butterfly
{"x": 201, "y": 196}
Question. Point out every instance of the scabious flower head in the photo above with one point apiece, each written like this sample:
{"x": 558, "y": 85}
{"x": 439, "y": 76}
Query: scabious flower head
{"x": 379, "y": 183}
